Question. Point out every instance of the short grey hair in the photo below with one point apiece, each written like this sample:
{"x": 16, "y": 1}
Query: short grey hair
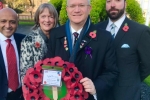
{"x": 89, "y": 2}
{"x": 40, "y": 9}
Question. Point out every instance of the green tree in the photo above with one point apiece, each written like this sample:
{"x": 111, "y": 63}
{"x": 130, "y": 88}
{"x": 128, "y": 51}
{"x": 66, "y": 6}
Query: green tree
{"x": 57, "y": 4}
{"x": 98, "y": 12}
{"x": 134, "y": 11}
{"x": 63, "y": 14}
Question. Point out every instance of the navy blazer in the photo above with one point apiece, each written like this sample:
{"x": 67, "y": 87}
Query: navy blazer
{"x": 3, "y": 75}
{"x": 133, "y": 55}
{"x": 100, "y": 68}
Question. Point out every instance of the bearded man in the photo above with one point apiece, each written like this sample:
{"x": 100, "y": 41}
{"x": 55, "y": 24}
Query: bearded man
{"x": 132, "y": 45}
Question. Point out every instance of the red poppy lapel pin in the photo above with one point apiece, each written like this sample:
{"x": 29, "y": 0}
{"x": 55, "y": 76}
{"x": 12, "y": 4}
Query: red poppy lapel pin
{"x": 93, "y": 34}
{"x": 37, "y": 45}
{"x": 126, "y": 27}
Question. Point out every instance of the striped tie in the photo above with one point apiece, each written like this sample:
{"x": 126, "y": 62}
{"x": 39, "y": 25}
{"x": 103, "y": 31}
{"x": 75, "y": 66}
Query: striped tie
{"x": 112, "y": 30}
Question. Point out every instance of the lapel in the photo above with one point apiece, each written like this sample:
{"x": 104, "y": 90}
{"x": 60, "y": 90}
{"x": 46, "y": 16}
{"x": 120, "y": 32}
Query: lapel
{"x": 120, "y": 33}
{"x": 18, "y": 42}
{"x": 2, "y": 61}
{"x": 62, "y": 37}
{"x": 87, "y": 39}
{"x": 103, "y": 24}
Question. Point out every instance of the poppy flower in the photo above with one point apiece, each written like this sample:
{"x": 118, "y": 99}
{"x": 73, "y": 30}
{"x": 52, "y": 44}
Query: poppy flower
{"x": 37, "y": 45}
{"x": 29, "y": 71}
{"x": 76, "y": 97}
{"x": 46, "y": 61}
{"x": 32, "y": 96}
{"x": 77, "y": 88}
{"x": 27, "y": 82}
{"x": 77, "y": 75}
{"x": 126, "y": 27}
{"x": 58, "y": 61}
{"x": 85, "y": 95}
{"x": 35, "y": 77}
{"x": 93, "y": 34}
{"x": 25, "y": 89}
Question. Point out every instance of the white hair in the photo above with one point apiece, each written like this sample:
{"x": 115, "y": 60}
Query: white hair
{"x": 89, "y": 2}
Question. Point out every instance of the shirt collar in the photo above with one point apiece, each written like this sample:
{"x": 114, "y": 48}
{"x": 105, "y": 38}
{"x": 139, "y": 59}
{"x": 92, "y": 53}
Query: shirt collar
{"x": 118, "y": 23}
{"x": 73, "y": 30}
{"x": 3, "y": 38}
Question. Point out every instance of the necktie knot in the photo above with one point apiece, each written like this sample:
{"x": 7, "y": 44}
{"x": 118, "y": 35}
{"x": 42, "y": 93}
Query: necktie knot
{"x": 75, "y": 34}
{"x": 113, "y": 25}
{"x": 8, "y": 41}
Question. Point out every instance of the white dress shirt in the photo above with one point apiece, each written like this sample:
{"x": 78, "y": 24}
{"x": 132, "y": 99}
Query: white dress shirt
{"x": 118, "y": 24}
{"x": 3, "y": 45}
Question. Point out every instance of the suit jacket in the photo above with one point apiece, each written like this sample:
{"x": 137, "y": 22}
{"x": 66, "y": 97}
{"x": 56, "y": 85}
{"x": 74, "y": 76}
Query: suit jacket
{"x": 133, "y": 54}
{"x": 100, "y": 67}
{"x": 3, "y": 75}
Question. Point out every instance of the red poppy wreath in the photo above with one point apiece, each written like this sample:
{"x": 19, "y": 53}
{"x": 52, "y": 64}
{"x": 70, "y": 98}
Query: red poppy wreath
{"x": 33, "y": 90}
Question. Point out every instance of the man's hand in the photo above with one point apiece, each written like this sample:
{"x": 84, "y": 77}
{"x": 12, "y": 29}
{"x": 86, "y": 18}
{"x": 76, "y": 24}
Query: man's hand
{"x": 88, "y": 85}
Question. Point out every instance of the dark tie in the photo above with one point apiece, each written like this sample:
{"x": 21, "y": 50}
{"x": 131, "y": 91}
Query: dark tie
{"x": 112, "y": 30}
{"x": 13, "y": 81}
{"x": 75, "y": 37}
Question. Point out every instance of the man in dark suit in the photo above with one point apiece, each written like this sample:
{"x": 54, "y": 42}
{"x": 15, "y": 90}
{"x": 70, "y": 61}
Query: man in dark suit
{"x": 10, "y": 85}
{"x": 132, "y": 45}
{"x": 91, "y": 50}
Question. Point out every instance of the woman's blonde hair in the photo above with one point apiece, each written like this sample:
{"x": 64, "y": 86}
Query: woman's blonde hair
{"x": 52, "y": 10}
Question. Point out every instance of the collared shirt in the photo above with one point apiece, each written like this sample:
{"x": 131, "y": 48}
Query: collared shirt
{"x": 118, "y": 24}
{"x": 3, "y": 45}
{"x": 72, "y": 31}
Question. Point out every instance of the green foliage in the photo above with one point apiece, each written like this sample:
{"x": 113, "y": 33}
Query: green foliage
{"x": 98, "y": 12}
{"x": 147, "y": 80}
{"x": 18, "y": 10}
{"x": 26, "y": 23}
{"x": 63, "y": 14}
{"x": 57, "y": 4}
{"x": 134, "y": 11}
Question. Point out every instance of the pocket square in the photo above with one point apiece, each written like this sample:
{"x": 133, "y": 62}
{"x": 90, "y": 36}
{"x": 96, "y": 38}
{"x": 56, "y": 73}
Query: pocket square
{"x": 125, "y": 46}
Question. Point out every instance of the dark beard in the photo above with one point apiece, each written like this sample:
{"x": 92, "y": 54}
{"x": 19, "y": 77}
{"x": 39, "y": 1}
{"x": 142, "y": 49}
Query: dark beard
{"x": 115, "y": 16}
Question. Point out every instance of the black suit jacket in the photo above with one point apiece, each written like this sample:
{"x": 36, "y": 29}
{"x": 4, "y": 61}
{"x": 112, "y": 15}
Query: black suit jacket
{"x": 3, "y": 75}
{"x": 132, "y": 61}
{"x": 101, "y": 68}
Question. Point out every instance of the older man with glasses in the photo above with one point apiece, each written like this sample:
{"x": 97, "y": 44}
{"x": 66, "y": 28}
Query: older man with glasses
{"x": 90, "y": 49}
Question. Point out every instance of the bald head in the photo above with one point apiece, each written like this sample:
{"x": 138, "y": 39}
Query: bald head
{"x": 8, "y": 22}
{"x": 8, "y": 10}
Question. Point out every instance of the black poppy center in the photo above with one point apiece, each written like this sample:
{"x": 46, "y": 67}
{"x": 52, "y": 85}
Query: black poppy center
{"x": 64, "y": 65}
{"x": 76, "y": 96}
{"x": 76, "y": 88}
{"x": 73, "y": 80}
{"x": 36, "y": 76}
{"x": 31, "y": 90}
{"x": 76, "y": 75}
{"x": 56, "y": 63}
{"x": 67, "y": 74}
{"x": 71, "y": 70}
{"x": 32, "y": 98}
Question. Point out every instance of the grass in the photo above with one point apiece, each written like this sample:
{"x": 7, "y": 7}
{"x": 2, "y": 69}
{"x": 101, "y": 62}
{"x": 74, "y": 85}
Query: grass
{"x": 26, "y": 23}
{"x": 147, "y": 80}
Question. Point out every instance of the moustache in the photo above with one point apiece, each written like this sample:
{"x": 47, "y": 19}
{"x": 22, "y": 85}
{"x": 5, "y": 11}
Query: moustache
{"x": 113, "y": 9}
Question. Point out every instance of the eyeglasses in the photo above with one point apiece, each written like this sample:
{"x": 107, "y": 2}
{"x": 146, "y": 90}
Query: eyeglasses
{"x": 79, "y": 6}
